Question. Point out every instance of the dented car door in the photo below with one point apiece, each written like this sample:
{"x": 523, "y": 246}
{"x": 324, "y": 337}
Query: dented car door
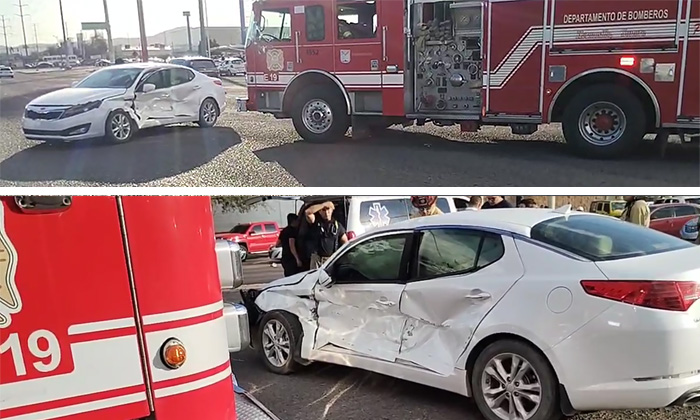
{"x": 186, "y": 93}
{"x": 458, "y": 277}
{"x": 359, "y": 311}
{"x": 154, "y": 108}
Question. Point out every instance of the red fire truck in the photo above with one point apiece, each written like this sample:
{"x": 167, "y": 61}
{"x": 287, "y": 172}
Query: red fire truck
{"x": 111, "y": 308}
{"x": 609, "y": 71}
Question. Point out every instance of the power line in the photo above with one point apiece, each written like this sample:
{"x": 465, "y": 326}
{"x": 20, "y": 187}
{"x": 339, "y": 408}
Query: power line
{"x": 24, "y": 32}
{"x": 4, "y": 31}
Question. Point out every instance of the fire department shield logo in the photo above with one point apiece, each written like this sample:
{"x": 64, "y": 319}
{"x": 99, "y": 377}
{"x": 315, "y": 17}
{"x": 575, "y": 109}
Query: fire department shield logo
{"x": 275, "y": 60}
{"x": 10, "y": 302}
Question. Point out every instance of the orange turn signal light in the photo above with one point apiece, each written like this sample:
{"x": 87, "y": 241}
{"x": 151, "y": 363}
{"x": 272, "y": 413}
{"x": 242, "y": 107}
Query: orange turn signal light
{"x": 173, "y": 353}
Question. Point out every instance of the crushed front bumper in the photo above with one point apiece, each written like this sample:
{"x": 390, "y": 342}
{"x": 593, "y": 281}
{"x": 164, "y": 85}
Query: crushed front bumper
{"x": 248, "y": 407}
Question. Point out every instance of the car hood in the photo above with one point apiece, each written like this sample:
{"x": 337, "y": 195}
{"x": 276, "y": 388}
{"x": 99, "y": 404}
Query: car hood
{"x": 76, "y": 96}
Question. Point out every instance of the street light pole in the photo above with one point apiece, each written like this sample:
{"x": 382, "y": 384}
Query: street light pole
{"x": 203, "y": 41}
{"x": 142, "y": 31}
{"x": 63, "y": 26}
{"x": 110, "y": 43}
{"x": 241, "y": 6}
{"x": 189, "y": 30}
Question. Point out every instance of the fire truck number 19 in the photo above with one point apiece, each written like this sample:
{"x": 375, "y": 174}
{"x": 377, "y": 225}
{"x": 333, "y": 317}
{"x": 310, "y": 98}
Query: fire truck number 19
{"x": 272, "y": 77}
{"x": 42, "y": 344}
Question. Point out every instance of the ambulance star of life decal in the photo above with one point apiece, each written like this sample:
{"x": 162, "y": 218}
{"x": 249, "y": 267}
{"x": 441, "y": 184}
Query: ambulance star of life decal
{"x": 379, "y": 215}
{"x": 10, "y": 302}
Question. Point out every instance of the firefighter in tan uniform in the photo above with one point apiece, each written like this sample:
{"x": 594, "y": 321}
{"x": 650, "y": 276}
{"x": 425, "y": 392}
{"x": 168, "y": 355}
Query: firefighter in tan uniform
{"x": 426, "y": 205}
{"x": 636, "y": 211}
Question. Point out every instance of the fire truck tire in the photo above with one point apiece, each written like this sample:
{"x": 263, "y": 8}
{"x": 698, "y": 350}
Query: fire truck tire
{"x": 604, "y": 121}
{"x": 280, "y": 340}
{"x": 320, "y": 115}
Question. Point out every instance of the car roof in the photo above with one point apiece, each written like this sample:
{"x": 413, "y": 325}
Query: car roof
{"x": 514, "y": 220}
{"x": 664, "y": 205}
{"x": 193, "y": 58}
{"x": 143, "y": 66}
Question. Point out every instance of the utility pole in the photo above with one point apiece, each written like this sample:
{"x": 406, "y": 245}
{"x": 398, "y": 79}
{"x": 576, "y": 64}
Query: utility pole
{"x": 189, "y": 30}
{"x": 203, "y": 38}
{"x": 241, "y": 6}
{"x": 142, "y": 31}
{"x": 110, "y": 43}
{"x": 63, "y": 26}
{"x": 24, "y": 32}
{"x": 36, "y": 39}
{"x": 4, "y": 31}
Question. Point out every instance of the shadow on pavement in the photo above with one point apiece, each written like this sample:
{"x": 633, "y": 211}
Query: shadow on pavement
{"x": 154, "y": 154}
{"x": 393, "y": 159}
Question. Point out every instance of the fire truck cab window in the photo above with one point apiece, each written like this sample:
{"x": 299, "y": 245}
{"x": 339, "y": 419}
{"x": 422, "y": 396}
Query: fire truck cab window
{"x": 315, "y": 23}
{"x": 276, "y": 25}
{"x": 357, "y": 20}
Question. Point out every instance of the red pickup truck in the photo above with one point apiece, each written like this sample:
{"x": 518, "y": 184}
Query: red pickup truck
{"x": 253, "y": 238}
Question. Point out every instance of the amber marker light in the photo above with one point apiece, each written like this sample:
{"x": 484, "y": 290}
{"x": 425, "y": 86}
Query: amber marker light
{"x": 173, "y": 353}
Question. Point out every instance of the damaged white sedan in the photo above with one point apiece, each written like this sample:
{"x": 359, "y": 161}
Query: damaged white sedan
{"x": 117, "y": 101}
{"x": 534, "y": 313}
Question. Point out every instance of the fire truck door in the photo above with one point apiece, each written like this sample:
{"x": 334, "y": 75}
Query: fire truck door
{"x": 690, "y": 106}
{"x": 393, "y": 64}
{"x": 514, "y": 56}
{"x": 68, "y": 338}
{"x": 313, "y": 32}
{"x": 275, "y": 49}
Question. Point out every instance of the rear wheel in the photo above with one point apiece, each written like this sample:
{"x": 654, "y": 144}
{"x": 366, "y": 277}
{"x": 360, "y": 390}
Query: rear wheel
{"x": 208, "y": 113}
{"x": 513, "y": 381}
{"x": 244, "y": 252}
{"x": 320, "y": 114}
{"x": 604, "y": 121}
{"x": 280, "y": 336}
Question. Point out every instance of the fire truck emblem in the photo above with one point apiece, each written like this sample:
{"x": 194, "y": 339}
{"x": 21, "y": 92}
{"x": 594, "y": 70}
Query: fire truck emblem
{"x": 275, "y": 60}
{"x": 10, "y": 302}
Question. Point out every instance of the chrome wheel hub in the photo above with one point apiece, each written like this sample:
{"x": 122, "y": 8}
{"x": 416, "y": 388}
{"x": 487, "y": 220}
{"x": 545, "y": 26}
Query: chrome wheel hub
{"x": 602, "y": 123}
{"x": 317, "y": 116}
{"x": 209, "y": 112}
{"x": 275, "y": 343}
{"x": 511, "y": 387}
{"x": 120, "y": 127}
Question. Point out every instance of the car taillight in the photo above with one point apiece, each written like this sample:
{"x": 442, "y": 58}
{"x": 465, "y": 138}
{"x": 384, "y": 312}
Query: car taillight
{"x": 667, "y": 295}
{"x": 218, "y": 82}
{"x": 351, "y": 235}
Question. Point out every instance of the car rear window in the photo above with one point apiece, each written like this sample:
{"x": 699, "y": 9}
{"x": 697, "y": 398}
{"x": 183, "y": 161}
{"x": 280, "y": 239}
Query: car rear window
{"x": 203, "y": 65}
{"x": 378, "y": 213}
{"x": 604, "y": 238}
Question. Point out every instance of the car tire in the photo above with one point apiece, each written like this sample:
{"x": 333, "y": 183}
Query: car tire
{"x": 208, "y": 113}
{"x": 622, "y": 127}
{"x": 539, "y": 372}
{"x": 119, "y": 127}
{"x": 244, "y": 252}
{"x": 320, "y": 115}
{"x": 280, "y": 336}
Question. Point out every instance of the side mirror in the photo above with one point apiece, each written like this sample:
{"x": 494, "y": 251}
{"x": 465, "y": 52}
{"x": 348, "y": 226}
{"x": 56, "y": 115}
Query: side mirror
{"x": 228, "y": 257}
{"x": 74, "y": 84}
{"x": 149, "y": 87}
{"x": 324, "y": 279}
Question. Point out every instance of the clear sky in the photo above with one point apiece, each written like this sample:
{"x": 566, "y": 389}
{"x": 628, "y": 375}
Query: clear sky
{"x": 160, "y": 15}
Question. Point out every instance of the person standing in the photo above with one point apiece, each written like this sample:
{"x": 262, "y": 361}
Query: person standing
{"x": 529, "y": 203}
{"x": 426, "y": 205}
{"x": 496, "y": 202}
{"x": 475, "y": 202}
{"x": 291, "y": 262}
{"x": 326, "y": 233}
{"x": 636, "y": 211}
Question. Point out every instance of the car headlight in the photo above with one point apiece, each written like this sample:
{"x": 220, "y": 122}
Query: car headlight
{"x": 80, "y": 109}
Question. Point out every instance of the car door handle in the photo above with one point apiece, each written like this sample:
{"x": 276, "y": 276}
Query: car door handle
{"x": 197, "y": 87}
{"x": 479, "y": 296}
{"x": 385, "y": 302}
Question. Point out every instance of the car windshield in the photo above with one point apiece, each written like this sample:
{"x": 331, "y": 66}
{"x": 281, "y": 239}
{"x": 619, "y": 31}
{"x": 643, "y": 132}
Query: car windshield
{"x": 604, "y": 238}
{"x": 111, "y": 78}
{"x": 240, "y": 229}
{"x": 203, "y": 65}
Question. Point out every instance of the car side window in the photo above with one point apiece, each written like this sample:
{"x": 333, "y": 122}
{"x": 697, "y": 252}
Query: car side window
{"x": 443, "y": 205}
{"x": 682, "y": 211}
{"x": 606, "y": 207}
{"x": 270, "y": 228}
{"x": 180, "y": 76}
{"x": 161, "y": 79}
{"x": 377, "y": 260}
{"x": 445, "y": 252}
{"x": 664, "y": 213}
{"x": 257, "y": 229}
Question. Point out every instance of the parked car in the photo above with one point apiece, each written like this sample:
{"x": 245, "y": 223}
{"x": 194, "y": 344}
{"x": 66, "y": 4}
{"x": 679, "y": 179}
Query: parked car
{"x": 678, "y": 199}
{"x": 670, "y": 218}
{"x": 103, "y": 63}
{"x": 117, "y": 101}
{"x": 232, "y": 67}
{"x": 525, "y": 310}
{"x": 44, "y": 65}
{"x": 689, "y": 231}
{"x": 6, "y": 71}
{"x": 253, "y": 238}
{"x": 203, "y": 65}
{"x": 608, "y": 207}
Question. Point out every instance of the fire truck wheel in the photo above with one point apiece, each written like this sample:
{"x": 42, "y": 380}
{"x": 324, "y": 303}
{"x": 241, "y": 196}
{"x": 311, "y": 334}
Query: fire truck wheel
{"x": 280, "y": 338}
{"x": 320, "y": 115}
{"x": 604, "y": 121}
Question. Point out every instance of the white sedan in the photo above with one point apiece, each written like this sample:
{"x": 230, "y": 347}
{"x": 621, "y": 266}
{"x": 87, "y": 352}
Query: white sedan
{"x": 117, "y": 101}
{"x": 6, "y": 71}
{"x": 533, "y": 313}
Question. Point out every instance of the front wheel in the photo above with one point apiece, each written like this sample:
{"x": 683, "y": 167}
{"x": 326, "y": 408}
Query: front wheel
{"x": 320, "y": 114}
{"x": 208, "y": 113}
{"x": 119, "y": 127}
{"x": 604, "y": 121}
{"x": 244, "y": 252}
{"x": 280, "y": 336}
{"x": 512, "y": 381}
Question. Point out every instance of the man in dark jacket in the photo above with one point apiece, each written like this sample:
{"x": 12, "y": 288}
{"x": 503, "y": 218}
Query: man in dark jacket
{"x": 496, "y": 202}
{"x": 291, "y": 262}
{"x": 326, "y": 233}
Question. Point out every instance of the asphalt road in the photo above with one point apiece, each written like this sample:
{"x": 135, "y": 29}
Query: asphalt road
{"x": 327, "y": 392}
{"x": 257, "y": 150}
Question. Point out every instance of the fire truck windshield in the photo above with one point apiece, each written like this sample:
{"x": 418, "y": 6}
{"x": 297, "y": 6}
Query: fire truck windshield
{"x": 273, "y": 25}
